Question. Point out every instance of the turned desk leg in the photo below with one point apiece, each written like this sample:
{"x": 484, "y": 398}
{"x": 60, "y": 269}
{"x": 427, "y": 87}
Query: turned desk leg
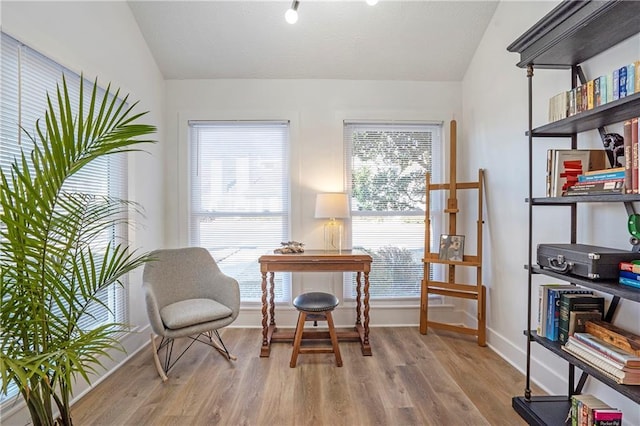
{"x": 272, "y": 298}
{"x": 358, "y": 297}
{"x": 265, "y": 343}
{"x": 366, "y": 309}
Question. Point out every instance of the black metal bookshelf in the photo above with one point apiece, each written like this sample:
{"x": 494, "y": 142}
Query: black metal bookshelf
{"x": 570, "y": 34}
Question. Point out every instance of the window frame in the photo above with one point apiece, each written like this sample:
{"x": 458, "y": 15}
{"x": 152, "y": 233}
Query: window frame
{"x": 436, "y": 201}
{"x": 32, "y": 65}
{"x": 283, "y": 281}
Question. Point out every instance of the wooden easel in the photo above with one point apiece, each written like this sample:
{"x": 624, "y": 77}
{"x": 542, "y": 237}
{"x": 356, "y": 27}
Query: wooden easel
{"x": 451, "y": 287}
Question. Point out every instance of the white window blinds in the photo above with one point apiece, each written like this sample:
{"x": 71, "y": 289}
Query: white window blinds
{"x": 239, "y": 207}
{"x": 385, "y": 166}
{"x": 26, "y": 77}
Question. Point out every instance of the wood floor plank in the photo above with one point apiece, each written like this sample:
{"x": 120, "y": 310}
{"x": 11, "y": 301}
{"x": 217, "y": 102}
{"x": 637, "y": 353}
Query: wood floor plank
{"x": 439, "y": 379}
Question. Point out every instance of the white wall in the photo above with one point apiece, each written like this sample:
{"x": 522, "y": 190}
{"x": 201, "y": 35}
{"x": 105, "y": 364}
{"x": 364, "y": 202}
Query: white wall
{"x": 316, "y": 110}
{"x": 494, "y": 124}
{"x": 102, "y": 39}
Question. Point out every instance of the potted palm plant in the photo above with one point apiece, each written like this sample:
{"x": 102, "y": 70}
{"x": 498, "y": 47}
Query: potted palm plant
{"x": 53, "y": 262}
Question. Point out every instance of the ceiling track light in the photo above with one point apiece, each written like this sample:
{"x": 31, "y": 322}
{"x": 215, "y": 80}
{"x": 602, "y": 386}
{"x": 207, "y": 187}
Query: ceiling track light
{"x": 291, "y": 15}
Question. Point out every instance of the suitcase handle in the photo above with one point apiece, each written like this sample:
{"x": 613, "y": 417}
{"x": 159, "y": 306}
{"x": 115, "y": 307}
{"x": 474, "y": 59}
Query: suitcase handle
{"x": 559, "y": 264}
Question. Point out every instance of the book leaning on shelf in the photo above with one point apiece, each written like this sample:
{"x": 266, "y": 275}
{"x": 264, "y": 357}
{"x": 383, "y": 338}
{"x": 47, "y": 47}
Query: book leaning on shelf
{"x": 616, "y": 336}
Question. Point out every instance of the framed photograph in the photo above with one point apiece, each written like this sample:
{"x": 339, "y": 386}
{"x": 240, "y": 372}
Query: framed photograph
{"x": 451, "y": 247}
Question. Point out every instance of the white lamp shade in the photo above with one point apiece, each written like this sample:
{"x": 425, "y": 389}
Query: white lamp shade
{"x": 333, "y": 205}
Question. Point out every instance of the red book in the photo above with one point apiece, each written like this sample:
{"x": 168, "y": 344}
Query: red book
{"x": 628, "y": 158}
{"x": 634, "y": 156}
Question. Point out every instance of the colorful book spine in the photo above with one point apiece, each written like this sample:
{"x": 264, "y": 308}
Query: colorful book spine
{"x": 634, "y": 159}
{"x": 609, "y": 87}
{"x": 631, "y": 79}
{"x": 584, "y": 408}
{"x": 630, "y": 274}
{"x": 612, "y": 186}
{"x": 637, "y": 74}
{"x": 622, "y": 82}
{"x": 630, "y": 267}
{"x": 628, "y": 185}
{"x": 553, "y": 312}
{"x": 629, "y": 282}
{"x": 635, "y": 156}
{"x": 590, "y": 94}
{"x": 573, "y": 303}
{"x": 616, "y": 85}
{"x": 597, "y": 93}
{"x": 607, "y": 417}
{"x": 603, "y": 89}
{"x": 601, "y": 176}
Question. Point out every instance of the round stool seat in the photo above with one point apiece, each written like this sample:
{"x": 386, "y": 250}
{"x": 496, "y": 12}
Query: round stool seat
{"x": 315, "y": 301}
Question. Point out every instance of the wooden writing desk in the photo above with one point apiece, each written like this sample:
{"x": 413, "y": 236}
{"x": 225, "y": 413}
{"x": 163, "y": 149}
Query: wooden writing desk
{"x": 315, "y": 261}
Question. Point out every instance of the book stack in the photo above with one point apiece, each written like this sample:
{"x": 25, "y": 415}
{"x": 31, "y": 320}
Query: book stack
{"x": 549, "y": 297}
{"x": 630, "y": 274}
{"x": 621, "y": 82}
{"x": 612, "y": 361}
{"x": 587, "y": 410}
{"x": 604, "y": 181}
{"x": 573, "y": 172}
{"x": 565, "y": 166}
{"x": 575, "y": 311}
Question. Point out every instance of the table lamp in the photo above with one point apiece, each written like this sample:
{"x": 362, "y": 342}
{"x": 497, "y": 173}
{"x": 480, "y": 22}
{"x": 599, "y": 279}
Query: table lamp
{"x": 332, "y": 206}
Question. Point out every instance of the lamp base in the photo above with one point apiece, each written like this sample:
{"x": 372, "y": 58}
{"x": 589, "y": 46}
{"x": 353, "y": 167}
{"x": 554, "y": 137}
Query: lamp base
{"x": 333, "y": 236}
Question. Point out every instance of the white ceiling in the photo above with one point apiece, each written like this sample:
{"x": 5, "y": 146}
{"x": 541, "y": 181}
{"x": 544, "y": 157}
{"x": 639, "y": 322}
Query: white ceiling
{"x": 393, "y": 40}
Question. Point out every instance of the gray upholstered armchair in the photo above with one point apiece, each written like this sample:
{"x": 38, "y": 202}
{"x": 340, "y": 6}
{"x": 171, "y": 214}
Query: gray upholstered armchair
{"x": 187, "y": 296}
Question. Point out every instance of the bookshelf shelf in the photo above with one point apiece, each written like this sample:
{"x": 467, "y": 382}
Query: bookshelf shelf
{"x": 630, "y": 391}
{"x": 609, "y": 113}
{"x": 571, "y": 200}
{"x": 570, "y": 34}
{"x": 542, "y": 410}
{"x": 574, "y": 32}
{"x": 606, "y": 286}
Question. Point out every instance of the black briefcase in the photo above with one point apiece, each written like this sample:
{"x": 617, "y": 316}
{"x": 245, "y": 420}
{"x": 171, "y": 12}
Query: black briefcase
{"x": 586, "y": 261}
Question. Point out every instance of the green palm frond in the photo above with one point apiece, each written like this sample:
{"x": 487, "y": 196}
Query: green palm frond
{"x": 55, "y": 256}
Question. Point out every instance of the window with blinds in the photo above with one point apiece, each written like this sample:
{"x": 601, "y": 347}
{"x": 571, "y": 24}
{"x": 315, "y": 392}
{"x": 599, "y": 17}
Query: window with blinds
{"x": 239, "y": 207}
{"x": 385, "y": 166}
{"x": 26, "y": 77}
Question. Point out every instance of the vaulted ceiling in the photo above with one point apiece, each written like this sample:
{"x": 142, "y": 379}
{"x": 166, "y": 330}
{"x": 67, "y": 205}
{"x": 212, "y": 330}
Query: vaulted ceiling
{"x": 393, "y": 40}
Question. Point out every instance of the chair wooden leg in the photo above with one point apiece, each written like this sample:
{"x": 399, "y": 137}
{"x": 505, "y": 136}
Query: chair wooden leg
{"x": 217, "y": 346}
{"x": 334, "y": 339}
{"x": 302, "y": 317}
{"x": 156, "y": 359}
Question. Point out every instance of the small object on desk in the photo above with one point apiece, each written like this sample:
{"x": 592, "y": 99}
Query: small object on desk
{"x": 290, "y": 247}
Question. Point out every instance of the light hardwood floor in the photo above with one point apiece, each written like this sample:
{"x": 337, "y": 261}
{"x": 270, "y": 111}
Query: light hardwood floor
{"x": 411, "y": 379}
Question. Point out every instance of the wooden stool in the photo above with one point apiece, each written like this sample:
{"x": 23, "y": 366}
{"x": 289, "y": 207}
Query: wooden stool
{"x": 315, "y": 306}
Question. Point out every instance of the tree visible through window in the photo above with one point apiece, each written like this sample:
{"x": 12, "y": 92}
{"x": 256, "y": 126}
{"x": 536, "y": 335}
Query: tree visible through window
{"x": 386, "y": 167}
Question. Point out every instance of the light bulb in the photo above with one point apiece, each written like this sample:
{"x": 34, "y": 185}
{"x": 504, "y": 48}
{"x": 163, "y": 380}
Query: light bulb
{"x": 291, "y": 16}
{"x": 372, "y": 2}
